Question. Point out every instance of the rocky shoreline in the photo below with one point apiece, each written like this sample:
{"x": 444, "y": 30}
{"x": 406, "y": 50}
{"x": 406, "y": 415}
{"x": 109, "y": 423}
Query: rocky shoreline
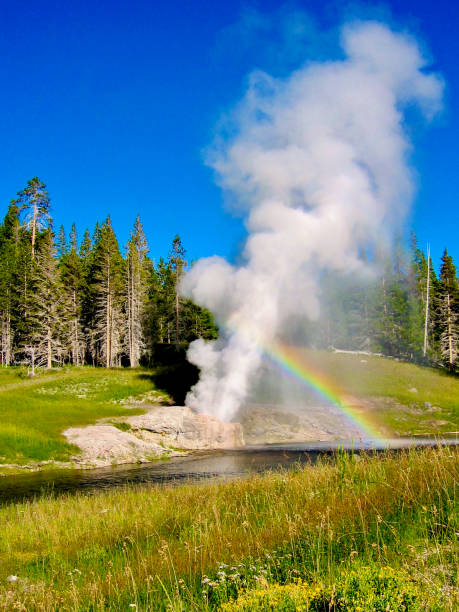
{"x": 163, "y": 431}
{"x": 170, "y": 431}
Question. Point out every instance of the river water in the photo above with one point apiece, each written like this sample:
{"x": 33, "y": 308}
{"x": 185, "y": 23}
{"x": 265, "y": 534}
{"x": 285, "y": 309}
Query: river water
{"x": 192, "y": 468}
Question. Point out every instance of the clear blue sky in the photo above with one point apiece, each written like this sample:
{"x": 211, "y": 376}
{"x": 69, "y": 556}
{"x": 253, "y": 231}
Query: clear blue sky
{"x": 111, "y": 104}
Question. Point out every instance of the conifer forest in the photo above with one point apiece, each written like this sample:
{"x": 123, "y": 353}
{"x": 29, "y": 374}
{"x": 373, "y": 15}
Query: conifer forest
{"x": 71, "y": 299}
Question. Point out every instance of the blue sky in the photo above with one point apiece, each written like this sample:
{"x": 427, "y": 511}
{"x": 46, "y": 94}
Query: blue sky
{"x": 112, "y": 103}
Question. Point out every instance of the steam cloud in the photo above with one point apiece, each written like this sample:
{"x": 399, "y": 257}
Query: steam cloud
{"x": 319, "y": 161}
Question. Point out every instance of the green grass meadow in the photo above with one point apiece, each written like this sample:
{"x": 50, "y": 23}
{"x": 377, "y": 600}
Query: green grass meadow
{"x": 35, "y": 411}
{"x": 353, "y": 533}
{"x": 404, "y": 398}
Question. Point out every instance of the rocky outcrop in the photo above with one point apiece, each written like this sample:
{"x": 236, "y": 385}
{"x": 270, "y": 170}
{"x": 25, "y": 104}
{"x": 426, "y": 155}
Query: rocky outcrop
{"x": 104, "y": 445}
{"x": 173, "y": 430}
{"x": 265, "y": 424}
{"x": 180, "y": 427}
{"x": 162, "y": 430}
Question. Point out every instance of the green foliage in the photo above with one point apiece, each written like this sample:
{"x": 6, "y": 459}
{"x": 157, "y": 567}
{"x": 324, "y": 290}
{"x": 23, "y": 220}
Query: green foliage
{"x": 138, "y": 270}
{"x": 106, "y": 292}
{"x": 121, "y": 426}
{"x": 92, "y": 304}
{"x": 361, "y": 588}
{"x": 386, "y": 314}
{"x": 448, "y": 312}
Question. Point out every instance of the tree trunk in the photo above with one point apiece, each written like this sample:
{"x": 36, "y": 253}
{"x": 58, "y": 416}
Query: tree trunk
{"x": 32, "y": 360}
{"x": 34, "y": 225}
{"x": 177, "y": 308}
{"x": 384, "y": 295}
{"x": 426, "y": 323}
{"x": 450, "y": 330}
{"x": 76, "y": 339}
{"x": 108, "y": 332}
{"x": 48, "y": 349}
{"x": 6, "y": 338}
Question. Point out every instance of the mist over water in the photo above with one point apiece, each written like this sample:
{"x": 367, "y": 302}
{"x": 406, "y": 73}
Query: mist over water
{"x": 318, "y": 161}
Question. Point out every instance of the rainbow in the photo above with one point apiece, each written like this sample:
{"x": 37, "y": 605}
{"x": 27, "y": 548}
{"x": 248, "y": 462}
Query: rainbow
{"x": 290, "y": 361}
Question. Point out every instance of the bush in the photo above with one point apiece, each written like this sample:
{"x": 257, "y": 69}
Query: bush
{"x": 375, "y": 588}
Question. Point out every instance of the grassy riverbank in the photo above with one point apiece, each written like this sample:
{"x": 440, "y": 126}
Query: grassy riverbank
{"x": 400, "y": 398}
{"x": 35, "y": 411}
{"x": 381, "y": 529}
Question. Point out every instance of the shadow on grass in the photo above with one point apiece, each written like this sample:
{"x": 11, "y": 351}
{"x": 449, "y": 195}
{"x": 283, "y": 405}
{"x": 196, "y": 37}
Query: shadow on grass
{"x": 172, "y": 373}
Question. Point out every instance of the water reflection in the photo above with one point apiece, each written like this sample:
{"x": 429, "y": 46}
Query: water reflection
{"x": 199, "y": 466}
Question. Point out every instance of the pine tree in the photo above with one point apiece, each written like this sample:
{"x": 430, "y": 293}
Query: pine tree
{"x": 157, "y": 310}
{"x": 9, "y": 241}
{"x": 417, "y": 277}
{"x": 197, "y": 322}
{"x": 72, "y": 283}
{"x": 449, "y": 311}
{"x": 390, "y": 312}
{"x": 177, "y": 264}
{"x": 34, "y": 200}
{"x": 22, "y": 290}
{"x": 136, "y": 293}
{"x": 354, "y": 301}
{"x": 62, "y": 246}
{"x": 46, "y": 311}
{"x": 73, "y": 238}
{"x": 107, "y": 291}
{"x": 165, "y": 301}
{"x": 88, "y": 306}
{"x": 86, "y": 245}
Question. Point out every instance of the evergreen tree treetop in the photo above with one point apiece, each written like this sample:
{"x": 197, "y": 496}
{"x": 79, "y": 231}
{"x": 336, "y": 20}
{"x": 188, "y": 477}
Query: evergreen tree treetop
{"x": 62, "y": 246}
{"x": 96, "y": 234}
{"x": 448, "y": 275}
{"x": 138, "y": 240}
{"x": 34, "y": 194}
{"x": 11, "y": 224}
{"x": 34, "y": 200}
{"x": 73, "y": 238}
{"x": 177, "y": 255}
{"x": 86, "y": 245}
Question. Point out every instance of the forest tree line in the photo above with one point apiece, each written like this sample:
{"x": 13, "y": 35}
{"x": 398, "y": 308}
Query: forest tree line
{"x": 405, "y": 311}
{"x": 65, "y": 300}
{"x": 84, "y": 302}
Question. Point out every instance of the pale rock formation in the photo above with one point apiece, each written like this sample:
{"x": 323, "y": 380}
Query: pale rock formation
{"x": 104, "y": 445}
{"x": 180, "y": 427}
{"x": 162, "y": 430}
{"x": 265, "y": 424}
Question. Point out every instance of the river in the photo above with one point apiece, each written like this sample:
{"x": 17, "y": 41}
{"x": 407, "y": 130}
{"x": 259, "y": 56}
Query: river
{"x": 191, "y": 468}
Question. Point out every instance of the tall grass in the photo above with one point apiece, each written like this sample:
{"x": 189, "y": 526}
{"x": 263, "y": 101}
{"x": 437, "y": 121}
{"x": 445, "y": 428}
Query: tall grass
{"x": 197, "y": 546}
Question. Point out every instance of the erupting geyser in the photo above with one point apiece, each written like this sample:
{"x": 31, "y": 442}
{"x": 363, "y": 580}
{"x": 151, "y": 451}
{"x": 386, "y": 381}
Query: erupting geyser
{"x": 319, "y": 162}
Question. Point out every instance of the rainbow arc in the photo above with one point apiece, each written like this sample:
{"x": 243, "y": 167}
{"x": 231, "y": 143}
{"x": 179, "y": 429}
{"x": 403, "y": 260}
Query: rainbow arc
{"x": 294, "y": 363}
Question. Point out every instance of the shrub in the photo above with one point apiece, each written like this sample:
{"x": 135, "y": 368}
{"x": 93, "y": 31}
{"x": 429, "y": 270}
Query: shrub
{"x": 375, "y": 588}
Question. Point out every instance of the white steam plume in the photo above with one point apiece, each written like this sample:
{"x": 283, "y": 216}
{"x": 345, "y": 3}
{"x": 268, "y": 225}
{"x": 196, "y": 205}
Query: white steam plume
{"x": 319, "y": 160}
